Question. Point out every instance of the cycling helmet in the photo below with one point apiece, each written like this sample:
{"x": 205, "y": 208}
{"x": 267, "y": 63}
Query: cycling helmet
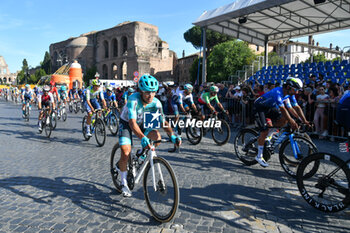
{"x": 188, "y": 87}
{"x": 131, "y": 90}
{"x": 294, "y": 82}
{"x": 148, "y": 83}
{"x": 214, "y": 89}
{"x": 95, "y": 82}
{"x": 47, "y": 88}
{"x": 109, "y": 88}
{"x": 63, "y": 88}
{"x": 27, "y": 86}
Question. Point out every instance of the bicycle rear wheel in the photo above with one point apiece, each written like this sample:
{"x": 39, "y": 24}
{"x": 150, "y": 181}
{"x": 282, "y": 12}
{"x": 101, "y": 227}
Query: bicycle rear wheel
{"x": 246, "y": 146}
{"x": 70, "y": 107}
{"x": 47, "y": 126}
{"x": 113, "y": 124}
{"x": 287, "y": 159}
{"x": 164, "y": 201}
{"x": 27, "y": 113}
{"x": 84, "y": 125}
{"x": 100, "y": 132}
{"x": 64, "y": 114}
{"x": 76, "y": 107}
{"x": 328, "y": 188}
{"x": 221, "y": 135}
{"x": 54, "y": 120}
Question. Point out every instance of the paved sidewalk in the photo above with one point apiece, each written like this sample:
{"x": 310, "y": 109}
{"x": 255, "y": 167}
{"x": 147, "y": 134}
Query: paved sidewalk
{"x": 64, "y": 184}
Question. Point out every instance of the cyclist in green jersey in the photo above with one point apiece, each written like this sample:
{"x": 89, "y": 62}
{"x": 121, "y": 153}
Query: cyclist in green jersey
{"x": 205, "y": 102}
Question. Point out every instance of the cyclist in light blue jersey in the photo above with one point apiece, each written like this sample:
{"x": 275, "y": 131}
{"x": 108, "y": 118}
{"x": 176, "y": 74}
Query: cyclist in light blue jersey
{"x": 278, "y": 105}
{"x": 131, "y": 121}
{"x": 110, "y": 97}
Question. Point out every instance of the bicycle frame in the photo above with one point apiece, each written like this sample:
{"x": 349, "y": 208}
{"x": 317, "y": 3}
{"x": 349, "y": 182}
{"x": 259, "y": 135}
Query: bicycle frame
{"x": 281, "y": 138}
{"x": 149, "y": 159}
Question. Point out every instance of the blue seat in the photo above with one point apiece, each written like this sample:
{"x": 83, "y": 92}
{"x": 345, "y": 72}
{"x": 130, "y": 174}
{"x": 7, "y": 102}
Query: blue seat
{"x": 336, "y": 63}
{"x": 344, "y": 62}
{"x": 328, "y": 63}
{"x": 320, "y": 64}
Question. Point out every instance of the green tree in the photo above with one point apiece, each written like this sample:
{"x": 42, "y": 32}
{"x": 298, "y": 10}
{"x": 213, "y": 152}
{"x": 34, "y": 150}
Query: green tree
{"x": 46, "y": 63}
{"x": 21, "y": 77}
{"x": 194, "y": 35}
{"x": 90, "y": 74}
{"x": 320, "y": 57}
{"x": 228, "y": 57}
{"x": 38, "y": 74}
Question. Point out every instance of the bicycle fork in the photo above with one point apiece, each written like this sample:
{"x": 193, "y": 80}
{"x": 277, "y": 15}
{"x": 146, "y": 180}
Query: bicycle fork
{"x": 295, "y": 147}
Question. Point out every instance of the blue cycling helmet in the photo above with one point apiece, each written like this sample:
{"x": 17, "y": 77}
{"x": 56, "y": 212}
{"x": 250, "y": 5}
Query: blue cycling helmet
{"x": 63, "y": 88}
{"x": 148, "y": 83}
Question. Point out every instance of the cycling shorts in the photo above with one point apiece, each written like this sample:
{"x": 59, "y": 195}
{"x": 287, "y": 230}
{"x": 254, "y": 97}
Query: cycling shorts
{"x": 125, "y": 132}
{"x": 262, "y": 112}
{"x": 95, "y": 104}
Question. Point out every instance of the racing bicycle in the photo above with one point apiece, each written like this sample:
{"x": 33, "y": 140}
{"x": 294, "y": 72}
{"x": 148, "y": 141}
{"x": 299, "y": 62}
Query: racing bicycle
{"x": 160, "y": 185}
{"x": 97, "y": 127}
{"x": 292, "y": 147}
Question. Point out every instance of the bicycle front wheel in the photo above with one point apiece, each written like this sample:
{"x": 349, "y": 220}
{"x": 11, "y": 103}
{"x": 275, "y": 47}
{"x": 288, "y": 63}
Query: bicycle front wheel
{"x": 64, "y": 114}
{"x": 100, "y": 132}
{"x": 246, "y": 146}
{"x": 48, "y": 126}
{"x": 113, "y": 124}
{"x": 84, "y": 126}
{"x": 287, "y": 158}
{"x": 194, "y": 135}
{"x": 328, "y": 188}
{"x": 54, "y": 120}
{"x": 162, "y": 200}
{"x": 222, "y": 134}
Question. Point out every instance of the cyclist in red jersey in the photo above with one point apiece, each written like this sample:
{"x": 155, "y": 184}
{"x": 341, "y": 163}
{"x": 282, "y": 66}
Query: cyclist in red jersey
{"x": 44, "y": 100}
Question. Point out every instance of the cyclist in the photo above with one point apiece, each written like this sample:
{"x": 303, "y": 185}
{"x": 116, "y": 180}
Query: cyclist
{"x": 183, "y": 99}
{"x": 54, "y": 92}
{"x": 110, "y": 98}
{"x": 278, "y": 105}
{"x": 128, "y": 93}
{"x": 205, "y": 99}
{"x": 45, "y": 100}
{"x": 73, "y": 93}
{"x": 62, "y": 93}
{"x": 91, "y": 102}
{"x": 27, "y": 95}
{"x": 131, "y": 120}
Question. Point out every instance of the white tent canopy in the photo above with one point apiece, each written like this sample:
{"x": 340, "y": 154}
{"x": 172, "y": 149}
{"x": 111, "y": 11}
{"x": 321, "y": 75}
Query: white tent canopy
{"x": 271, "y": 20}
{"x": 261, "y": 21}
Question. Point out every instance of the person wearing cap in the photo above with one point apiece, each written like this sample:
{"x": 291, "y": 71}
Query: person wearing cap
{"x": 27, "y": 95}
{"x": 205, "y": 102}
{"x": 45, "y": 100}
{"x": 91, "y": 103}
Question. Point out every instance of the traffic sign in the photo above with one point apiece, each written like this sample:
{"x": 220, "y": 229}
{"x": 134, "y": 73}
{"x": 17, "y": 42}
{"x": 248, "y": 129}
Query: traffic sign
{"x": 136, "y": 79}
{"x": 136, "y": 74}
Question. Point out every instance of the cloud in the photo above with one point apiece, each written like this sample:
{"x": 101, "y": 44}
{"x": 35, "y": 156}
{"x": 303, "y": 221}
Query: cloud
{"x": 6, "y": 22}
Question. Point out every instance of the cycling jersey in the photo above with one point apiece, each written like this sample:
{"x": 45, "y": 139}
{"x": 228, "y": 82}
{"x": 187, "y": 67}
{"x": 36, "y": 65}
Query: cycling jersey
{"x": 134, "y": 108}
{"x": 53, "y": 91}
{"x": 46, "y": 100}
{"x": 27, "y": 94}
{"x": 72, "y": 93}
{"x": 63, "y": 94}
{"x": 109, "y": 98}
{"x": 206, "y": 98}
{"x": 181, "y": 98}
{"x": 276, "y": 99}
{"x": 91, "y": 94}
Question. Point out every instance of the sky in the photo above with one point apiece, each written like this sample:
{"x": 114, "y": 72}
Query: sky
{"x": 28, "y": 27}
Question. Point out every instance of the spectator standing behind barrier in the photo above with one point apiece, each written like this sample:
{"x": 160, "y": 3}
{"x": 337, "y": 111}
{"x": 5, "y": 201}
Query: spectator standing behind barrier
{"x": 222, "y": 94}
{"x": 229, "y": 96}
{"x": 319, "y": 117}
{"x": 333, "y": 101}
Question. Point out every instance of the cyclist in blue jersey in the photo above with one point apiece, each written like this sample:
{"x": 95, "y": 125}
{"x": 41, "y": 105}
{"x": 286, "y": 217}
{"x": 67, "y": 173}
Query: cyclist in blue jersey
{"x": 73, "y": 93}
{"x": 131, "y": 121}
{"x": 110, "y": 97}
{"x": 278, "y": 105}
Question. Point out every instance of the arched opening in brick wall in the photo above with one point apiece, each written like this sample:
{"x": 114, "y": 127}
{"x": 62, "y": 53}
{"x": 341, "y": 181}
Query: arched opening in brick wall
{"x": 124, "y": 44}
{"x": 115, "y": 47}
{"x": 5, "y": 80}
{"x": 104, "y": 72}
{"x": 10, "y": 80}
{"x": 105, "y": 47}
{"x": 124, "y": 70}
{"x": 114, "y": 73}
